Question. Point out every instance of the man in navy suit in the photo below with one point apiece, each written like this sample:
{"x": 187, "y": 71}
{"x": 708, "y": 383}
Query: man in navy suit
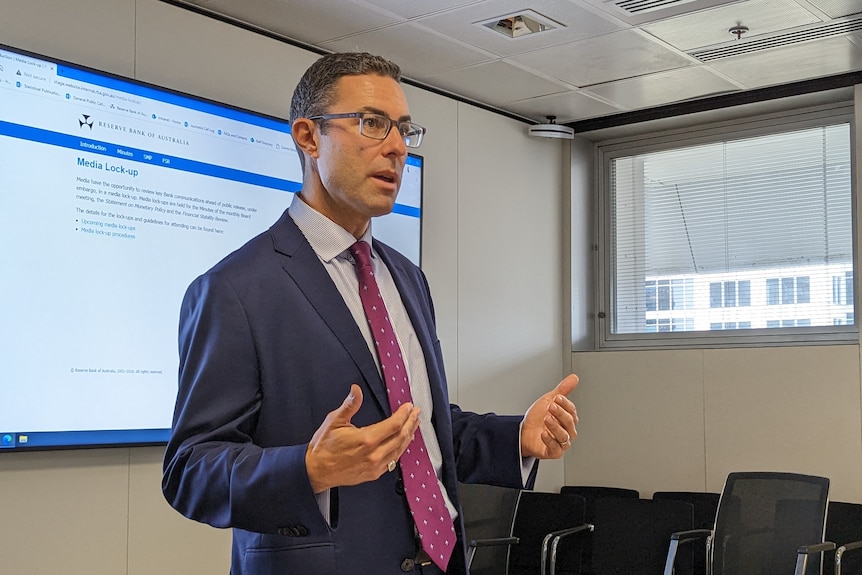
{"x": 282, "y": 428}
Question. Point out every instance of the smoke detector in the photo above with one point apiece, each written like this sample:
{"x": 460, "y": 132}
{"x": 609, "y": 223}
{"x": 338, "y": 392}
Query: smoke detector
{"x": 551, "y": 130}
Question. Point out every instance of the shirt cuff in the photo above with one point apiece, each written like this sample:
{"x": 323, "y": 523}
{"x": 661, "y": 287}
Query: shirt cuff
{"x": 527, "y": 463}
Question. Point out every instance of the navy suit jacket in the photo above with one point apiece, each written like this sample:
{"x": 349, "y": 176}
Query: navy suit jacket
{"x": 267, "y": 349}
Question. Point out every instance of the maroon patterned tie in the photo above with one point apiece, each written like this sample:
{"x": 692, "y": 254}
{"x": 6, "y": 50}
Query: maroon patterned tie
{"x": 420, "y": 482}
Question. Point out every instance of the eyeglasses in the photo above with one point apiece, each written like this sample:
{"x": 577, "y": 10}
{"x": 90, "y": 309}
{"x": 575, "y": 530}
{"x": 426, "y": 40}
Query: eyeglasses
{"x": 377, "y": 127}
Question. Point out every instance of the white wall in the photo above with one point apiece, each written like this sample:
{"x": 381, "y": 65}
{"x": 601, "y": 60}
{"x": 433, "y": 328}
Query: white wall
{"x": 682, "y": 420}
{"x": 493, "y": 196}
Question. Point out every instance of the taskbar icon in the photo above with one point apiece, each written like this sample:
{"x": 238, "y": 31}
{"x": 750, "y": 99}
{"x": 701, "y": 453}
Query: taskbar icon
{"x": 9, "y": 440}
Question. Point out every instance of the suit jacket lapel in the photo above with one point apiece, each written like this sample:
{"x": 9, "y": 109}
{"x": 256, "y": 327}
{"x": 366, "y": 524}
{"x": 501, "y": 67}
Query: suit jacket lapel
{"x": 305, "y": 269}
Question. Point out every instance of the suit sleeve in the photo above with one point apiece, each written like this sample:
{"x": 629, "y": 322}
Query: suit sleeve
{"x": 213, "y": 471}
{"x": 488, "y": 450}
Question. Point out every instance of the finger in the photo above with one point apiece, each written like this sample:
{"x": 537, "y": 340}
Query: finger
{"x": 554, "y": 448}
{"x": 564, "y": 410}
{"x": 401, "y": 442}
{"x": 556, "y": 430}
{"x": 565, "y": 403}
{"x": 395, "y": 430}
{"x": 391, "y": 437}
{"x": 566, "y": 386}
{"x": 350, "y": 406}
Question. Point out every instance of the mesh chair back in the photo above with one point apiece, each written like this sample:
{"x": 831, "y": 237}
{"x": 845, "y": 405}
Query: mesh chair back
{"x": 763, "y": 518}
{"x": 488, "y": 512}
{"x": 538, "y": 514}
{"x": 632, "y": 536}
{"x": 843, "y": 525}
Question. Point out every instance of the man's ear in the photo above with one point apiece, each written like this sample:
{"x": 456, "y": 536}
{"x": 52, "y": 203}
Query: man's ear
{"x": 305, "y": 134}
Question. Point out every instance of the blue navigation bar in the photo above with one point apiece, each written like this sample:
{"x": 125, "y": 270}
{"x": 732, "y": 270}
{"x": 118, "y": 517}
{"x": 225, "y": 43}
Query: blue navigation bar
{"x": 144, "y": 156}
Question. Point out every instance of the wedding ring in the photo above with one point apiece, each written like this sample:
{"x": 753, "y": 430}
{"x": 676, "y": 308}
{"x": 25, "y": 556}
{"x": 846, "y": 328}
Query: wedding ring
{"x": 568, "y": 440}
{"x": 391, "y": 465}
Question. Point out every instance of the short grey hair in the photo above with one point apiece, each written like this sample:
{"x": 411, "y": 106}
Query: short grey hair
{"x": 315, "y": 91}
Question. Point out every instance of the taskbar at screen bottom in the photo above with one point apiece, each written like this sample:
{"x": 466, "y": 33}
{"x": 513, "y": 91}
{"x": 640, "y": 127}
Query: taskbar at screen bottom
{"x": 45, "y": 440}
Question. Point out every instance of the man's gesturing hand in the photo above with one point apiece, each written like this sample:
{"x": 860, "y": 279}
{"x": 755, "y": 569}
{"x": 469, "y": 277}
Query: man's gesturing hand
{"x": 340, "y": 453}
{"x": 550, "y": 424}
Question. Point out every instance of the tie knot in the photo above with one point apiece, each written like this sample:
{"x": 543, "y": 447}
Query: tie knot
{"x": 361, "y": 253}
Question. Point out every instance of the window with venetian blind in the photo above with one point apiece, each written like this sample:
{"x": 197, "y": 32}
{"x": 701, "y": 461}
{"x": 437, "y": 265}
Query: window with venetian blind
{"x": 734, "y": 237}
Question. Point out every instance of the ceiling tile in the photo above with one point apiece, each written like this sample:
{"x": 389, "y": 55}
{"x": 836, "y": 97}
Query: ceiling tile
{"x": 663, "y": 88}
{"x": 711, "y": 26}
{"x": 417, "y": 50}
{"x": 495, "y": 83}
{"x": 838, "y": 8}
{"x": 792, "y": 63}
{"x": 417, "y": 7}
{"x": 567, "y": 107}
{"x": 610, "y": 57}
{"x": 577, "y": 22}
{"x": 292, "y": 19}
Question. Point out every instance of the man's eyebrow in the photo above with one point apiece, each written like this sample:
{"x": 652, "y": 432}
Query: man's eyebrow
{"x": 378, "y": 111}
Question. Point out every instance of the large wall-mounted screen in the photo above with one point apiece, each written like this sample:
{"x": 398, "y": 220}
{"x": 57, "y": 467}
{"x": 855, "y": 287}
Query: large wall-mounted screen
{"x": 117, "y": 195}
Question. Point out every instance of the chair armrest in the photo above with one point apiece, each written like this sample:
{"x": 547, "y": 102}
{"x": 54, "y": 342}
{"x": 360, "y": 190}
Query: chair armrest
{"x": 494, "y": 541}
{"x": 839, "y": 554}
{"x": 850, "y": 546}
{"x": 816, "y": 548}
{"x": 691, "y": 535}
{"x": 804, "y": 551}
{"x": 490, "y": 542}
{"x": 681, "y": 538}
{"x": 552, "y": 540}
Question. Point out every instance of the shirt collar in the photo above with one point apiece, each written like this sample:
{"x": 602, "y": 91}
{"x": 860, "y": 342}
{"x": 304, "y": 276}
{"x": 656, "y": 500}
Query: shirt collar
{"x": 327, "y": 239}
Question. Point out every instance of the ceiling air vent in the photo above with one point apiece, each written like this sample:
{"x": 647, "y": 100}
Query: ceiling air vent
{"x": 638, "y": 12}
{"x": 802, "y": 34}
{"x": 639, "y": 6}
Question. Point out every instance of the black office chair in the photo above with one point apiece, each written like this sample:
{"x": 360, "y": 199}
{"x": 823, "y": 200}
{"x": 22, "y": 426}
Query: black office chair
{"x": 632, "y": 535}
{"x": 488, "y": 512}
{"x": 507, "y": 529}
{"x": 539, "y": 517}
{"x": 705, "y": 505}
{"x": 844, "y": 528}
{"x": 592, "y": 493}
{"x": 767, "y": 524}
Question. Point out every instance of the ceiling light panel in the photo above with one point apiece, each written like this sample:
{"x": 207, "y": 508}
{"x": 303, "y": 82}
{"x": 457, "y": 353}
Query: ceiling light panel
{"x": 524, "y": 23}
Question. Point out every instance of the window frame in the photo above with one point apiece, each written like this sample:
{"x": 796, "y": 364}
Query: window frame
{"x": 606, "y": 151}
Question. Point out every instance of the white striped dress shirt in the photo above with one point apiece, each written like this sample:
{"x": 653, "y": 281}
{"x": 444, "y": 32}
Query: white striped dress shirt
{"x": 331, "y": 242}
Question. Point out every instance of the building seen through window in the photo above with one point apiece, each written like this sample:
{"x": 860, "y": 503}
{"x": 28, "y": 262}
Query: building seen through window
{"x": 817, "y": 296}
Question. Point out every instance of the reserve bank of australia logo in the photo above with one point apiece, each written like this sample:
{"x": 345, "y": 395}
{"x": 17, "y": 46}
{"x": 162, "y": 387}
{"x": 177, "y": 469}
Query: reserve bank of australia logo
{"x": 85, "y": 120}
